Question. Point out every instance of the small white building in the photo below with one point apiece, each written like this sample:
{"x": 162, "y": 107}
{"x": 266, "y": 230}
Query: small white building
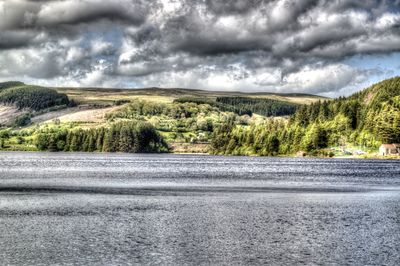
{"x": 389, "y": 149}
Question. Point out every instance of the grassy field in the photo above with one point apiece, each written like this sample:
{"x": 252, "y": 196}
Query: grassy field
{"x": 108, "y": 96}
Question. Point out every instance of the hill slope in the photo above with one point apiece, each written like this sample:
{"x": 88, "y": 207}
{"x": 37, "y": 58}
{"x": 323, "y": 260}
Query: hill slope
{"x": 374, "y": 111}
{"x": 17, "y": 96}
{"x": 185, "y": 118}
{"x": 108, "y": 96}
{"x": 363, "y": 120}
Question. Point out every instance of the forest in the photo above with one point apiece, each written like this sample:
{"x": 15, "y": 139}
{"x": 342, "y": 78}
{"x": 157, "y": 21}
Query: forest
{"x": 177, "y": 121}
{"x": 365, "y": 119}
{"x": 10, "y": 84}
{"x": 35, "y": 98}
{"x": 247, "y": 105}
{"x": 264, "y": 107}
{"x": 130, "y": 137}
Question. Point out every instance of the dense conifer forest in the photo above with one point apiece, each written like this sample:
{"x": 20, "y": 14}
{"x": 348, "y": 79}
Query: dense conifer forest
{"x": 35, "y": 98}
{"x": 365, "y": 119}
{"x": 265, "y": 107}
{"x": 247, "y": 105}
{"x": 131, "y": 137}
{"x": 10, "y": 84}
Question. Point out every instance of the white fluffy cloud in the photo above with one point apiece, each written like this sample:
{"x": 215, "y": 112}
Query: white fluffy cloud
{"x": 323, "y": 79}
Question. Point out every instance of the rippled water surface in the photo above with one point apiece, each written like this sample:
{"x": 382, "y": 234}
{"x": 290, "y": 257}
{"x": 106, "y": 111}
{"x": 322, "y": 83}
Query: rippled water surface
{"x": 113, "y": 209}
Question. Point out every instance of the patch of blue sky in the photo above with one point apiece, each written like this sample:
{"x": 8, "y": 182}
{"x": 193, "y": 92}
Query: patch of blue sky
{"x": 381, "y": 66}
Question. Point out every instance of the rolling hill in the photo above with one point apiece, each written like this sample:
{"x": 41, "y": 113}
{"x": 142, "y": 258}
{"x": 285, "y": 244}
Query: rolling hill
{"x": 355, "y": 124}
{"x": 94, "y": 103}
{"x": 184, "y": 118}
{"x": 230, "y": 123}
{"x": 104, "y": 95}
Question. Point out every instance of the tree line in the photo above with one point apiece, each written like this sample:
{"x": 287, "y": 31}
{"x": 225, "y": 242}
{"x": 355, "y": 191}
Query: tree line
{"x": 35, "y": 98}
{"x": 246, "y": 105}
{"x": 130, "y": 136}
{"x": 365, "y": 119}
{"x": 265, "y": 107}
{"x": 178, "y": 117}
{"x": 10, "y": 84}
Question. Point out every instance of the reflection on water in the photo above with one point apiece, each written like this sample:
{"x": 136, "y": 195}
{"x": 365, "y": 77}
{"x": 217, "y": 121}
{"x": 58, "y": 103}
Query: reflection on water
{"x": 194, "y": 210}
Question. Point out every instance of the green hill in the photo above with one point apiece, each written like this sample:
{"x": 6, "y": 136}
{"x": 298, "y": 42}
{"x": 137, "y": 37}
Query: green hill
{"x": 38, "y": 118}
{"x": 363, "y": 121}
{"x": 10, "y": 84}
{"x": 373, "y": 111}
{"x": 231, "y": 123}
{"x": 35, "y": 98}
{"x": 166, "y": 95}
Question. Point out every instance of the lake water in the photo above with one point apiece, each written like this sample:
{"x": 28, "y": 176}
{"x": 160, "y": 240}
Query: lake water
{"x": 117, "y": 209}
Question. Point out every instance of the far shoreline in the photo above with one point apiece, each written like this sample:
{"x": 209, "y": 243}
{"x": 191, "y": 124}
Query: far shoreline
{"x": 372, "y": 157}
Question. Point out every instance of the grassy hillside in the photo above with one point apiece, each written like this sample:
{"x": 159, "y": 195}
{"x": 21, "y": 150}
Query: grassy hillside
{"x": 108, "y": 96}
{"x": 199, "y": 121}
{"x": 37, "y": 118}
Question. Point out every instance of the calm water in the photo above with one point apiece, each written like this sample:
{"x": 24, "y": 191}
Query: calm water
{"x": 97, "y": 209}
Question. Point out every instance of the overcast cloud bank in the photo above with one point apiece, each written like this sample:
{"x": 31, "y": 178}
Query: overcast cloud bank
{"x": 247, "y": 45}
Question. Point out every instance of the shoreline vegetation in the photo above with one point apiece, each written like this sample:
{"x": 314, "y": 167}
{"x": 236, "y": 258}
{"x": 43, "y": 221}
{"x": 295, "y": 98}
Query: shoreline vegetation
{"x": 375, "y": 156}
{"x": 155, "y": 120}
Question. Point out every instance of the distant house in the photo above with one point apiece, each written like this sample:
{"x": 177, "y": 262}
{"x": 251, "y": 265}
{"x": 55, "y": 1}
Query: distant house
{"x": 389, "y": 149}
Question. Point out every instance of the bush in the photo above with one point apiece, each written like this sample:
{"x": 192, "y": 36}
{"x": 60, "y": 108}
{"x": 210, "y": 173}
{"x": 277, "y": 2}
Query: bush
{"x": 22, "y": 120}
{"x": 4, "y": 134}
{"x": 121, "y": 102}
{"x": 20, "y": 140}
{"x": 72, "y": 103}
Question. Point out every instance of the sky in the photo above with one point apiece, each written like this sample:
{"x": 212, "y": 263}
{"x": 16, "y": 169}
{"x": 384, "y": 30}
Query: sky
{"x": 324, "y": 47}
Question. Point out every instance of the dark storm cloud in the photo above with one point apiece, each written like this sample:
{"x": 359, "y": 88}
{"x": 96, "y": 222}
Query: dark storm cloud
{"x": 16, "y": 39}
{"x": 75, "y": 12}
{"x": 191, "y": 34}
{"x": 288, "y": 28}
{"x": 23, "y": 14}
{"x": 208, "y": 43}
{"x": 232, "y": 7}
